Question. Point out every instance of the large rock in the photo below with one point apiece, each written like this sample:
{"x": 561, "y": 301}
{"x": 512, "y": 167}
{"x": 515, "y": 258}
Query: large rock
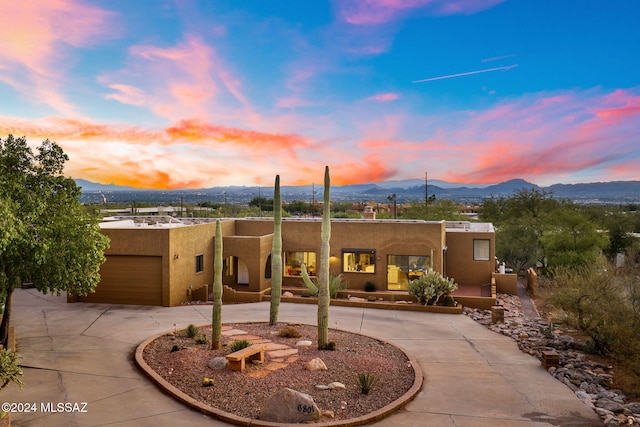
{"x": 218, "y": 363}
{"x": 316, "y": 364}
{"x": 289, "y": 406}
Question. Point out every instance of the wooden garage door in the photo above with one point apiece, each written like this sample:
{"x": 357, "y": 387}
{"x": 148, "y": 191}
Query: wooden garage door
{"x": 129, "y": 280}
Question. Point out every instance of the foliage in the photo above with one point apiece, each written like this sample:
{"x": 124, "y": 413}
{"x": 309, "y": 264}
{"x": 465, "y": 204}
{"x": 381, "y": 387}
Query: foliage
{"x": 46, "y": 237}
{"x": 201, "y": 339}
{"x": 572, "y": 239}
{"x": 262, "y": 203}
{"x": 337, "y": 283}
{"x": 192, "y": 330}
{"x": 366, "y": 381}
{"x": 532, "y": 227}
{"x": 547, "y": 331}
{"x": 441, "y": 209}
{"x": 603, "y": 305}
{"x": 238, "y": 345}
{"x": 429, "y": 287}
{"x": 289, "y": 332}
{"x": 10, "y": 370}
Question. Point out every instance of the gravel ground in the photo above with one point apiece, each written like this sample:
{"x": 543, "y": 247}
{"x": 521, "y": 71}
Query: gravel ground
{"x": 242, "y": 394}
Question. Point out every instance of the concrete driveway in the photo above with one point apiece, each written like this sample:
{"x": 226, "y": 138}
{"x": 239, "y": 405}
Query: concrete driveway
{"x": 75, "y": 353}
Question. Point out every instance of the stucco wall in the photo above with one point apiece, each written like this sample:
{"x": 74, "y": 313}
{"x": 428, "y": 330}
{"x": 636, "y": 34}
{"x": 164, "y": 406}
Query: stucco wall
{"x": 459, "y": 258}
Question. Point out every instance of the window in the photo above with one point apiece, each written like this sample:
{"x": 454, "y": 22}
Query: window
{"x": 294, "y": 260}
{"x": 481, "y": 250}
{"x": 199, "y": 263}
{"x": 401, "y": 269}
{"x": 359, "y": 261}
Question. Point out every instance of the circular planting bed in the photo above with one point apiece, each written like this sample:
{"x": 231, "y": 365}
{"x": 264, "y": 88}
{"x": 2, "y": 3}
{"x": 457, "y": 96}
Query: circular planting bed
{"x": 180, "y": 365}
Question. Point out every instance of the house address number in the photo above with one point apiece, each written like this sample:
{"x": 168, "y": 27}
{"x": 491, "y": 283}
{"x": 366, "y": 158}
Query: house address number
{"x": 305, "y": 409}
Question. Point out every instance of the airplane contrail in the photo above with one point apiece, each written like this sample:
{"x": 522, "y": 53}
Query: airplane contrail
{"x": 450, "y": 76}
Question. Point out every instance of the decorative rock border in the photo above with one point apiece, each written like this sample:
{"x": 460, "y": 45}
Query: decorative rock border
{"x": 563, "y": 358}
{"x": 243, "y": 421}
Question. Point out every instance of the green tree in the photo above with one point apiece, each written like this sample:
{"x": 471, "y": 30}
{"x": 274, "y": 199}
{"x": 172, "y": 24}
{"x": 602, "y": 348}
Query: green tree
{"x": 441, "y": 209}
{"x": 46, "y": 237}
{"x": 571, "y": 239}
{"x": 262, "y": 202}
{"x": 519, "y": 220}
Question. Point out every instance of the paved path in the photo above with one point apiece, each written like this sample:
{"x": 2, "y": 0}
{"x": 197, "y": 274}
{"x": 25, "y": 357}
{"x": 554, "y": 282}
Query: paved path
{"x": 528, "y": 307}
{"x": 84, "y": 353}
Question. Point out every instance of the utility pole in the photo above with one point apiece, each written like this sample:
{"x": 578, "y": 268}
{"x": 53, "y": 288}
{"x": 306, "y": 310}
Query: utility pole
{"x": 426, "y": 194}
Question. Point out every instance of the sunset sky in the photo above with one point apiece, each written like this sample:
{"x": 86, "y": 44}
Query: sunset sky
{"x": 189, "y": 94}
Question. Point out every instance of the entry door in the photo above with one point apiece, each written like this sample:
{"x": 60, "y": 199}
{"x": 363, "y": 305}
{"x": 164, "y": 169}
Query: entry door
{"x": 243, "y": 273}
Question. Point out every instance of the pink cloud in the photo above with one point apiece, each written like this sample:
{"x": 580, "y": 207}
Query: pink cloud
{"x": 177, "y": 82}
{"x": 383, "y": 97}
{"x": 375, "y": 12}
{"x": 36, "y": 38}
{"x": 548, "y": 137}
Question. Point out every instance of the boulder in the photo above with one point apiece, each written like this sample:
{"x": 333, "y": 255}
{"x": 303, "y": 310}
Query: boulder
{"x": 218, "y": 363}
{"x": 289, "y": 406}
{"x": 315, "y": 365}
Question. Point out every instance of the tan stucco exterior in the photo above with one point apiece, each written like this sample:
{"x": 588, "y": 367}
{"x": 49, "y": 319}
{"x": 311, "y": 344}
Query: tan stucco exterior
{"x": 247, "y": 247}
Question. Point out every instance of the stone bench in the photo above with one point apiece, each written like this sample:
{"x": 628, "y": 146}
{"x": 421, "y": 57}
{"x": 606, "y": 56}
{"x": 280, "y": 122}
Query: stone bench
{"x": 253, "y": 352}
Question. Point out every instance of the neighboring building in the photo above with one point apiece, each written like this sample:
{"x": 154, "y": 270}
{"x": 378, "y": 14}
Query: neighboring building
{"x": 160, "y": 260}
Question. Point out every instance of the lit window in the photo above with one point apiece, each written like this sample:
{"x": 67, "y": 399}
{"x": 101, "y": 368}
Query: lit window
{"x": 294, "y": 260}
{"x": 359, "y": 261}
{"x": 481, "y": 250}
{"x": 199, "y": 263}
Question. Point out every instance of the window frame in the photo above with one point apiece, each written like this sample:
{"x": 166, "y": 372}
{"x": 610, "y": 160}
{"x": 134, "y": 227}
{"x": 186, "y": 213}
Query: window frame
{"x": 478, "y": 251}
{"x": 359, "y": 252}
{"x": 199, "y": 263}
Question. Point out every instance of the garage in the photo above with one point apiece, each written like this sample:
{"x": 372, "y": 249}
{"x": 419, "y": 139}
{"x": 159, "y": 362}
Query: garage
{"x": 129, "y": 280}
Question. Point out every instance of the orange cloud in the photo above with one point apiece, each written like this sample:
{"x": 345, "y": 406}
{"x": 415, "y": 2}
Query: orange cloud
{"x": 196, "y": 130}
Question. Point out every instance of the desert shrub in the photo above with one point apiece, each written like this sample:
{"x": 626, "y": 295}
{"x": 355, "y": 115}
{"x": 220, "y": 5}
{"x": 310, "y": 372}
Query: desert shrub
{"x": 337, "y": 284}
{"x": 10, "y": 370}
{"x": 429, "y": 287}
{"x": 239, "y": 345}
{"x": 369, "y": 287}
{"x": 547, "y": 331}
{"x": 603, "y": 305}
{"x": 289, "y": 332}
{"x": 192, "y": 330}
{"x": 366, "y": 382}
{"x": 201, "y": 339}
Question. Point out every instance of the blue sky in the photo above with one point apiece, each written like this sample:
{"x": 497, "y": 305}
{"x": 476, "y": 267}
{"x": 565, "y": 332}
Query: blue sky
{"x": 174, "y": 94}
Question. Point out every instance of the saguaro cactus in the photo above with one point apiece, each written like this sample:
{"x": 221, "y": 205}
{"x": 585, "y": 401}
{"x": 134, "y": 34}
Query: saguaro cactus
{"x": 323, "y": 272}
{"x": 276, "y": 255}
{"x": 216, "y": 315}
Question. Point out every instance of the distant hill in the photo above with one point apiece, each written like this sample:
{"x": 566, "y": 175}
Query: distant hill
{"x": 88, "y": 186}
{"x": 405, "y": 190}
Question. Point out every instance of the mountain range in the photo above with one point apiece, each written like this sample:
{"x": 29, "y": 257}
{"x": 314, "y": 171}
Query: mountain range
{"x": 404, "y": 190}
